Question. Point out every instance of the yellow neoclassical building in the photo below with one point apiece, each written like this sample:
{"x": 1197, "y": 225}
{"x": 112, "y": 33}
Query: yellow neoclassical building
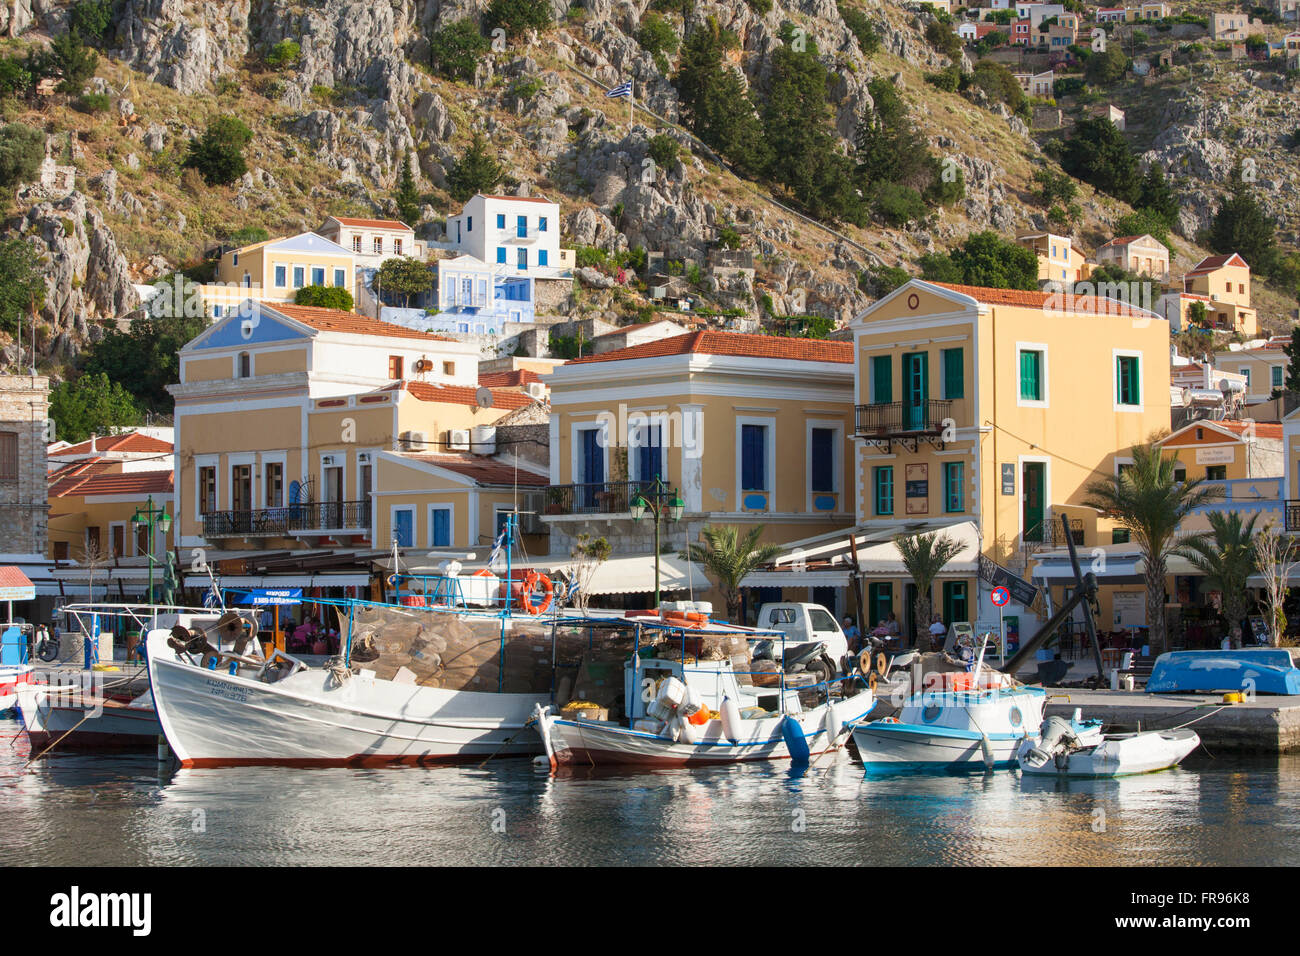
{"x": 997, "y": 407}
{"x": 274, "y": 271}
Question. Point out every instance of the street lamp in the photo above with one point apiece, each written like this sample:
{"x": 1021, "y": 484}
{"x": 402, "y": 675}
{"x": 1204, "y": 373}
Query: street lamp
{"x": 656, "y": 499}
{"x": 149, "y": 516}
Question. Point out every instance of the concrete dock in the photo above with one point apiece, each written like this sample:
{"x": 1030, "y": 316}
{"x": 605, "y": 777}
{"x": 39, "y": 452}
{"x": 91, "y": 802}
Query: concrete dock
{"x": 1266, "y": 725}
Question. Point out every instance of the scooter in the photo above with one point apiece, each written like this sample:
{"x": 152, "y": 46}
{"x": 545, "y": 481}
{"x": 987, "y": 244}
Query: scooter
{"x": 809, "y": 658}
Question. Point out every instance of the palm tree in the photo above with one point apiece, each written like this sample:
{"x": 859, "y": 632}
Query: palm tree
{"x": 1146, "y": 499}
{"x": 924, "y": 556}
{"x": 728, "y": 558}
{"x": 1227, "y": 557}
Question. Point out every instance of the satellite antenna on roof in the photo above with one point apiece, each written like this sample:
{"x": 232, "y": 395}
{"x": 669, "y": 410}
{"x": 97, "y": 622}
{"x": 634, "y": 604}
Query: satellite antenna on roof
{"x": 483, "y": 397}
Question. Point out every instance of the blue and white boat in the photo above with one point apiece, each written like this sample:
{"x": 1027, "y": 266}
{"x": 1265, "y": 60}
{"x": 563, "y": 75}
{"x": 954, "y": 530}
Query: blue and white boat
{"x": 1261, "y": 670}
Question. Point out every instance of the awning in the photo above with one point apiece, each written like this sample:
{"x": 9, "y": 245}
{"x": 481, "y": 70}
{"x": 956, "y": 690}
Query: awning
{"x": 202, "y": 581}
{"x": 837, "y": 578}
{"x": 636, "y": 574}
{"x": 1110, "y": 566}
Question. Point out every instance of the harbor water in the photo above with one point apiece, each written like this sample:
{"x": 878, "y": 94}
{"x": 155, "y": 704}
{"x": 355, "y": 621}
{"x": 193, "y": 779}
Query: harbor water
{"x": 72, "y": 809}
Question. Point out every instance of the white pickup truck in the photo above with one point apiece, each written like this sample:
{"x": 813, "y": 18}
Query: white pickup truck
{"x": 805, "y": 622}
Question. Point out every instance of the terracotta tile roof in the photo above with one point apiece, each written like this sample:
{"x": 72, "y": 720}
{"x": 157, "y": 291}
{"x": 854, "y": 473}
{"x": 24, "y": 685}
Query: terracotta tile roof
{"x": 125, "y": 443}
{"x": 1262, "y": 429}
{"x": 336, "y": 320}
{"x": 1082, "y": 304}
{"x": 485, "y": 471}
{"x": 1120, "y": 241}
{"x": 13, "y": 577}
{"x": 460, "y": 394}
{"x": 732, "y": 343}
{"x": 517, "y": 198}
{"x": 1210, "y": 263}
{"x": 372, "y": 223}
{"x": 65, "y": 480}
{"x": 128, "y": 483}
{"x": 514, "y": 379}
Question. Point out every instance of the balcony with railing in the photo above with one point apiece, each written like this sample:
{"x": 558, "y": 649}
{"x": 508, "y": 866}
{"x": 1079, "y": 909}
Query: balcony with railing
{"x": 905, "y": 422}
{"x": 318, "y": 517}
{"x": 1293, "y": 515}
{"x": 599, "y": 498}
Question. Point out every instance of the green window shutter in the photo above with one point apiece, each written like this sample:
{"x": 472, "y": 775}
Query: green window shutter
{"x": 882, "y": 380}
{"x": 954, "y": 384}
{"x": 1127, "y": 377}
{"x": 1030, "y": 386}
{"x": 885, "y": 491}
{"x": 954, "y": 489}
{"x": 1277, "y": 376}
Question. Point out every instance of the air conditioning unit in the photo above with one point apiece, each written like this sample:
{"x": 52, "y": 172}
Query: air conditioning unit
{"x": 458, "y": 439}
{"x": 536, "y": 390}
{"x": 414, "y": 441}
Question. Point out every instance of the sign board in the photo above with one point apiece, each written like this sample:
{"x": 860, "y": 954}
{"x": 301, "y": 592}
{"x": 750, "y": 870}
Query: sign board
{"x": 917, "y": 489}
{"x": 1022, "y": 592}
{"x": 18, "y": 594}
{"x": 1001, "y": 597}
{"x": 1215, "y": 456}
{"x": 1009, "y": 479}
{"x": 266, "y": 597}
{"x": 1129, "y": 608}
{"x": 15, "y": 586}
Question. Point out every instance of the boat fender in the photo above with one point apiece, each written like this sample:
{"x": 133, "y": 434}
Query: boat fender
{"x": 687, "y": 731}
{"x": 672, "y": 729}
{"x": 731, "y": 720}
{"x": 831, "y": 724}
{"x": 795, "y": 741}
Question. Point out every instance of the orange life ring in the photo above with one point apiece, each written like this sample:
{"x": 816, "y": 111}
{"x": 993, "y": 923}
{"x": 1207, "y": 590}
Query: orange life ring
{"x": 532, "y": 581}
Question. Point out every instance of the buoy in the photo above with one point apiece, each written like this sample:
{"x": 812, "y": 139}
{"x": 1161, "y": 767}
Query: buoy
{"x": 731, "y": 720}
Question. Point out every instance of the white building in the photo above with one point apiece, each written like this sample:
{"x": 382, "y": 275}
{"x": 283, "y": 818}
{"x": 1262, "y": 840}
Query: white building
{"x": 371, "y": 241}
{"x": 519, "y": 232}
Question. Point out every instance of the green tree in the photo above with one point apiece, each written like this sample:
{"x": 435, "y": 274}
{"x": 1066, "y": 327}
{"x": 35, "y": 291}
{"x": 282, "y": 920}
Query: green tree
{"x": 1147, "y": 221}
{"x": 92, "y": 405}
{"x": 284, "y": 54}
{"x": 1148, "y": 500}
{"x": 404, "y": 276}
{"x": 518, "y": 16}
{"x": 1000, "y": 84}
{"x": 324, "y": 297}
{"x": 1106, "y": 68}
{"x": 1155, "y": 194}
{"x": 656, "y": 35}
{"x": 924, "y": 556}
{"x": 15, "y": 79}
{"x": 218, "y": 154}
{"x": 860, "y": 27}
{"x": 408, "y": 194}
{"x": 247, "y": 235}
{"x": 887, "y": 145}
{"x": 1293, "y": 362}
{"x": 145, "y": 357}
{"x": 941, "y": 36}
{"x": 90, "y": 19}
{"x": 984, "y": 259}
{"x": 715, "y": 101}
{"x": 1227, "y": 558}
{"x": 1240, "y": 225}
{"x": 22, "y": 149}
{"x": 1054, "y": 187}
{"x": 476, "y": 171}
{"x": 456, "y": 49}
{"x": 22, "y": 283}
{"x": 74, "y": 62}
{"x": 1097, "y": 153}
{"x": 728, "y": 558}
{"x": 663, "y": 150}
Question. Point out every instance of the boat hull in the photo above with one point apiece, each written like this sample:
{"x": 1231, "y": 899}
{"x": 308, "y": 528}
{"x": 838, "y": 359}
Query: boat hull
{"x": 601, "y": 743}
{"x": 72, "y": 722}
{"x": 896, "y": 746}
{"x": 214, "y": 719}
{"x": 1120, "y": 756}
{"x": 12, "y": 678}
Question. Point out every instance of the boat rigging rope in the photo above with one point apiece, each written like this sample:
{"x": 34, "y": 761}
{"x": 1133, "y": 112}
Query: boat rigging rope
{"x": 338, "y": 670}
{"x": 89, "y": 714}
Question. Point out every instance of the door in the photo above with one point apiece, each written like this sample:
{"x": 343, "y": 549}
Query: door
{"x": 880, "y": 601}
{"x": 241, "y": 488}
{"x": 916, "y": 390}
{"x": 332, "y": 497}
{"x": 1031, "y": 493}
{"x": 118, "y": 532}
{"x": 649, "y": 454}
{"x": 363, "y": 495}
{"x": 593, "y": 467}
{"x": 956, "y": 607}
{"x": 909, "y": 610}
{"x": 403, "y": 528}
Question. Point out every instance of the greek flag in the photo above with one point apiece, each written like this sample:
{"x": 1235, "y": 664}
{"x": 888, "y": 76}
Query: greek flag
{"x": 623, "y": 89}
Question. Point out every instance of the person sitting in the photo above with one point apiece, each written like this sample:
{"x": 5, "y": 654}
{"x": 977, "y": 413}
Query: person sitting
{"x": 851, "y": 633}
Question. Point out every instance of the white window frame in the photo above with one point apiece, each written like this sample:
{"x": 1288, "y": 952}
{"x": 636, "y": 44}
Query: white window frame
{"x": 343, "y": 468}
{"x": 1046, "y": 401}
{"x": 769, "y": 422}
{"x": 1115, "y": 356}
{"x": 575, "y": 463}
{"x": 837, "y": 462}
{"x": 1047, "y": 493}
{"x": 201, "y": 462}
{"x": 392, "y": 524}
{"x": 646, "y": 420}
{"x": 280, "y": 458}
{"x": 450, "y": 508}
{"x": 275, "y": 271}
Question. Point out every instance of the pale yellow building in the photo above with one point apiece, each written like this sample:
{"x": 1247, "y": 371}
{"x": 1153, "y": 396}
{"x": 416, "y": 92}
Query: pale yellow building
{"x": 1144, "y": 255}
{"x": 371, "y": 241}
{"x": 274, "y": 271}
{"x": 1263, "y": 364}
{"x": 1058, "y": 259}
{"x": 1224, "y": 282}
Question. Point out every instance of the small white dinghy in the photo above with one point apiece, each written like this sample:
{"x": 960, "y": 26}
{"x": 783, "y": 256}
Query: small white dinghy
{"x": 1060, "y": 752}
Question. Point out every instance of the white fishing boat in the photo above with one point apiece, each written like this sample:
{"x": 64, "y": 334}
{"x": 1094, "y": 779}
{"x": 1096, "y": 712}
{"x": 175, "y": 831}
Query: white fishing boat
{"x": 74, "y": 719}
{"x": 691, "y": 712}
{"x": 12, "y": 677}
{"x": 1060, "y": 752}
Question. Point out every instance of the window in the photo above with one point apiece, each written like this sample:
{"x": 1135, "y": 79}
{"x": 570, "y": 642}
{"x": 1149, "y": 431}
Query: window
{"x": 281, "y": 276}
{"x": 61, "y": 551}
{"x": 248, "y": 281}
{"x": 822, "y": 455}
{"x": 521, "y": 227}
{"x": 883, "y": 483}
{"x": 542, "y": 257}
{"x": 541, "y": 223}
{"x": 234, "y": 258}
{"x": 379, "y": 245}
{"x": 1276, "y": 373}
{"x": 1180, "y": 473}
{"x": 469, "y": 223}
{"x": 753, "y": 458}
{"x": 501, "y": 220}
{"x": 207, "y": 490}
{"x": 318, "y": 275}
{"x": 8, "y": 456}
{"x": 1246, "y": 373}
{"x": 649, "y": 452}
{"x": 340, "y": 278}
{"x": 954, "y": 490}
{"x": 440, "y": 526}
{"x": 397, "y": 246}
{"x": 298, "y": 277}
{"x": 882, "y": 381}
{"x": 1216, "y": 472}
{"x": 274, "y": 484}
{"x": 1031, "y": 375}
{"x": 954, "y": 383}
{"x": 394, "y": 367}
{"x": 448, "y": 368}
{"x": 1128, "y": 381}
{"x": 245, "y": 365}
{"x": 523, "y": 259}
{"x": 501, "y": 254}
{"x": 356, "y": 243}
{"x": 1119, "y": 536}
{"x": 92, "y": 539}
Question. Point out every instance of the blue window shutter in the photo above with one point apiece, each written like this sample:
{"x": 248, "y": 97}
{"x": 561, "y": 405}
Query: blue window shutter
{"x": 442, "y": 527}
{"x": 541, "y": 257}
{"x": 753, "y": 458}
{"x": 501, "y": 254}
{"x": 501, "y": 220}
{"x": 823, "y": 459}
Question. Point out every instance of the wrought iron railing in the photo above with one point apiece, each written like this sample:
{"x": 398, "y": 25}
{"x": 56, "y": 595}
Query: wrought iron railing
{"x": 1293, "y": 514}
{"x": 901, "y": 418}
{"x": 1057, "y": 533}
{"x": 605, "y": 497}
{"x": 325, "y": 516}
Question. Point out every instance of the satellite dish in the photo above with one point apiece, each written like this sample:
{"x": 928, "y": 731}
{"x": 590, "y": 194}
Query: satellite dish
{"x": 483, "y": 397}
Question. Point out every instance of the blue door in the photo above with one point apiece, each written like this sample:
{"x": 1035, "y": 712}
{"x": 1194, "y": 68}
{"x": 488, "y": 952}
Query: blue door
{"x": 650, "y": 455}
{"x": 441, "y": 528}
{"x": 593, "y": 466}
{"x": 403, "y": 528}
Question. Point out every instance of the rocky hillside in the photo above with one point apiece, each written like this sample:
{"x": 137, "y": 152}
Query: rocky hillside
{"x": 332, "y": 130}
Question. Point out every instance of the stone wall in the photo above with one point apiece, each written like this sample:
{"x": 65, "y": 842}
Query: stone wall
{"x": 24, "y": 407}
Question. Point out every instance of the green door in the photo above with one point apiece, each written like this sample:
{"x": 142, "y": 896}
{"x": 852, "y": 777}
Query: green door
{"x": 1031, "y": 495}
{"x": 916, "y": 390}
{"x": 880, "y": 602}
{"x": 955, "y": 605}
{"x": 909, "y": 611}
